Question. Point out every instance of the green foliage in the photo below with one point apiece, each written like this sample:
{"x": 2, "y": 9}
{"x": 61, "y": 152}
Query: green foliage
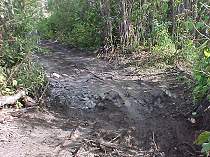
{"x": 164, "y": 47}
{"x": 45, "y": 30}
{"x": 83, "y": 35}
{"x": 73, "y": 22}
{"x": 30, "y": 76}
{"x": 202, "y": 76}
{"x": 189, "y": 51}
{"x": 18, "y": 21}
{"x": 204, "y": 140}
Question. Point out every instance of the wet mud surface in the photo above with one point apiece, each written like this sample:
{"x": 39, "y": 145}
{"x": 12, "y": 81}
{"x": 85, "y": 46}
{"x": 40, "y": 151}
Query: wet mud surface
{"x": 95, "y": 108}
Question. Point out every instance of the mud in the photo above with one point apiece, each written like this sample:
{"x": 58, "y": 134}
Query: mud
{"x": 95, "y": 108}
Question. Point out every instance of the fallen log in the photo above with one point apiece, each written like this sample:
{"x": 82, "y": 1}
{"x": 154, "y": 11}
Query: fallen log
{"x": 11, "y": 99}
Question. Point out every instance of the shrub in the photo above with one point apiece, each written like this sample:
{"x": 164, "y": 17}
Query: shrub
{"x": 164, "y": 46}
{"x": 73, "y": 22}
{"x": 202, "y": 76}
{"x": 18, "y": 24}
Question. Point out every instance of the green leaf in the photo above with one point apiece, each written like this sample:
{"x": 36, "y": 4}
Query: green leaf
{"x": 205, "y": 148}
{"x": 165, "y": 7}
{"x": 189, "y": 25}
{"x": 207, "y": 53}
{"x": 202, "y": 138}
{"x": 208, "y": 97}
{"x": 200, "y": 25}
{"x": 206, "y": 17}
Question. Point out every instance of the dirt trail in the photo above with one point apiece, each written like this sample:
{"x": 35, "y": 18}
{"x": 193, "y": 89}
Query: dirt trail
{"x": 96, "y": 109}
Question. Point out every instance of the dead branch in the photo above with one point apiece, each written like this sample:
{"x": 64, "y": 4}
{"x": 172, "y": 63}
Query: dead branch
{"x": 12, "y": 99}
{"x": 44, "y": 92}
{"x": 101, "y": 142}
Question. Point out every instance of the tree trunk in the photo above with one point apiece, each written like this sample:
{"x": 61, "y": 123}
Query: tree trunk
{"x": 171, "y": 17}
{"x": 107, "y": 34}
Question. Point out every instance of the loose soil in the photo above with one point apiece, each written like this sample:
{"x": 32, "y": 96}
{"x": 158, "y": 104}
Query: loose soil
{"x": 95, "y": 108}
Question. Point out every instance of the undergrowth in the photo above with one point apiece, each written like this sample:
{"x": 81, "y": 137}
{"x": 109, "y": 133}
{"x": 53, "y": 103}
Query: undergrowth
{"x": 18, "y": 41}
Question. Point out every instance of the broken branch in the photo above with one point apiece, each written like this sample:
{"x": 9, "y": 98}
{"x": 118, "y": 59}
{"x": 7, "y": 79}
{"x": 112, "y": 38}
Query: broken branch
{"x": 12, "y": 99}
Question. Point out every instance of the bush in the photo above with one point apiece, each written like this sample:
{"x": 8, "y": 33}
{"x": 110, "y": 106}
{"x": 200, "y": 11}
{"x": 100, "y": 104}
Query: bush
{"x": 30, "y": 76}
{"x": 18, "y": 24}
{"x": 189, "y": 51}
{"x": 73, "y": 22}
{"x": 164, "y": 46}
{"x": 202, "y": 77}
{"x": 44, "y": 29}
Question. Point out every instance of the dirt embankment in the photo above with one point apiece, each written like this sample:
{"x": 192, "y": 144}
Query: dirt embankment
{"x": 97, "y": 109}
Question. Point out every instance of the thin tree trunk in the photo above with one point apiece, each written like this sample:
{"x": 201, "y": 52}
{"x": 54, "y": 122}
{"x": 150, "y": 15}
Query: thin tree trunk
{"x": 107, "y": 35}
{"x": 195, "y": 16}
{"x": 171, "y": 17}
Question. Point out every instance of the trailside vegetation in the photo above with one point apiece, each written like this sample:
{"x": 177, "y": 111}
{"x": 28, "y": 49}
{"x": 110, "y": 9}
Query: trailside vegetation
{"x": 18, "y": 41}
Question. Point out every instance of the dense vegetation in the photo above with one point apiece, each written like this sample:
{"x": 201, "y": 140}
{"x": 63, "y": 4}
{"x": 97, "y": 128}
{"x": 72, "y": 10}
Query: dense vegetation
{"x": 17, "y": 43}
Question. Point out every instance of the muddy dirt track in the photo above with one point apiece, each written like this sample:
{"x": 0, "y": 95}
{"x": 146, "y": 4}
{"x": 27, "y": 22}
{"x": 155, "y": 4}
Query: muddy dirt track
{"x": 94, "y": 108}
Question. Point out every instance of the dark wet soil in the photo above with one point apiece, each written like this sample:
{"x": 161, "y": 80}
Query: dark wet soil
{"x": 95, "y": 108}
